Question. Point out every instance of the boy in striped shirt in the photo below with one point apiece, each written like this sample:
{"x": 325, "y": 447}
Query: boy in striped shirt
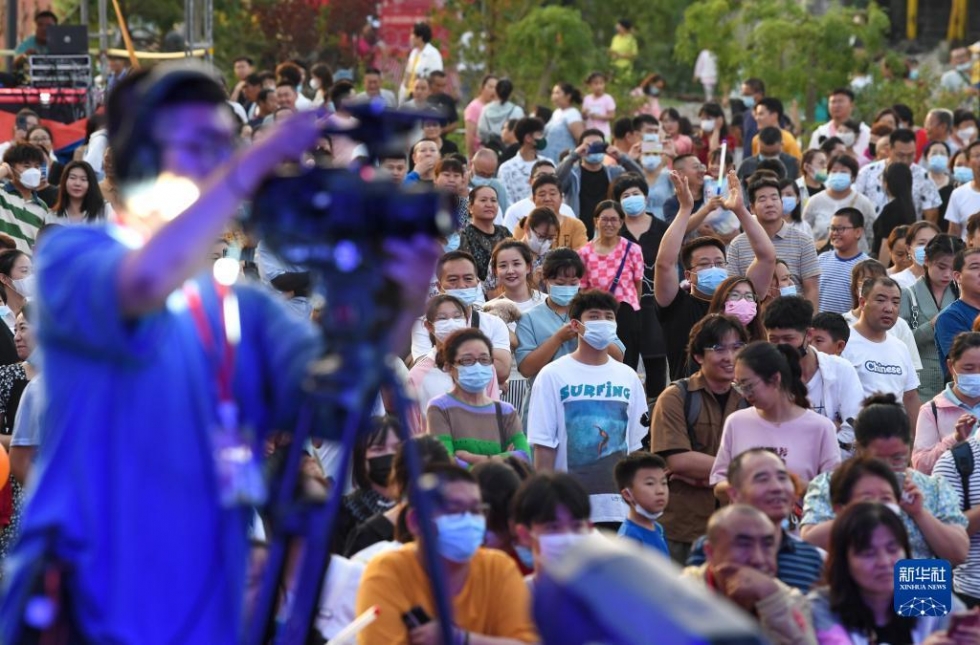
{"x": 846, "y": 232}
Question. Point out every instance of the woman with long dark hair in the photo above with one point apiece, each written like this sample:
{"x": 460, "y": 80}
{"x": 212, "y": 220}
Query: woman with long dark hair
{"x": 857, "y": 605}
{"x": 770, "y": 379}
{"x": 916, "y": 239}
{"x": 714, "y": 131}
{"x": 922, "y": 302}
{"x": 789, "y": 191}
{"x": 900, "y": 210}
{"x": 670, "y": 132}
{"x": 80, "y": 199}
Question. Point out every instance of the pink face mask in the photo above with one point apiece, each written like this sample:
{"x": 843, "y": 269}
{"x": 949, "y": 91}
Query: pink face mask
{"x": 744, "y": 310}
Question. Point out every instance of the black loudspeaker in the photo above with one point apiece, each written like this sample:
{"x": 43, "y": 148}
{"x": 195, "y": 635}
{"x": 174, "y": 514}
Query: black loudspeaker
{"x": 612, "y": 592}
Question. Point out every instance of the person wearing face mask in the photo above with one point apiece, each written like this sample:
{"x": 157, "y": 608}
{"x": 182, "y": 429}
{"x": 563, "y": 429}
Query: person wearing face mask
{"x": 922, "y": 302}
{"x": 473, "y": 427}
{"x": 551, "y": 515}
{"x": 782, "y": 282}
{"x": 832, "y": 384}
{"x": 585, "y": 408}
{"x": 966, "y": 126}
{"x": 17, "y": 286}
{"x": 840, "y": 193}
{"x": 456, "y": 273}
{"x": 951, "y": 415}
{"x": 936, "y": 159}
{"x": 871, "y": 181}
{"x": 714, "y": 131}
{"x": 770, "y": 379}
{"x": 965, "y": 200}
{"x": 642, "y": 481}
{"x": 374, "y": 493}
{"x": 499, "y": 481}
{"x": 490, "y": 602}
{"x": 811, "y": 181}
{"x": 519, "y": 172}
{"x": 585, "y": 180}
{"x": 957, "y": 79}
{"x": 647, "y": 232}
{"x": 541, "y": 228}
{"x": 735, "y": 297}
{"x": 429, "y": 377}
{"x": 21, "y": 210}
{"x": 545, "y": 332}
{"x": 793, "y": 206}
{"x": 703, "y": 260}
{"x": 759, "y": 478}
{"x": 928, "y": 505}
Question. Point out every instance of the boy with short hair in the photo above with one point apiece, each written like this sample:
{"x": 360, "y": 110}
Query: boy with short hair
{"x": 642, "y": 480}
{"x": 830, "y": 333}
{"x": 846, "y": 233}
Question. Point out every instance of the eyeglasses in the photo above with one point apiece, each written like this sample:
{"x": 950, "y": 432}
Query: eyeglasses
{"x": 718, "y": 349}
{"x": 478, "y": 509}
{"x": 841, "y": 229}
{"x": 469, "y": 361}
{"x": 745, "y": 389}
{"x": 735, "y": 297}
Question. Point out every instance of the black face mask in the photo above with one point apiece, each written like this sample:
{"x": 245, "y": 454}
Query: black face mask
{"x": 379, "y": 469}
{"x": 872, "y": 149}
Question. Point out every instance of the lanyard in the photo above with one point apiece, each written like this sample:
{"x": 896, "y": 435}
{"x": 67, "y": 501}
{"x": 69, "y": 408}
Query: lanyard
{"x": 228, "y": 317}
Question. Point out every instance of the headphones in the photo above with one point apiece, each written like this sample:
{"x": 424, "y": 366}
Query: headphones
{"x": 136, "y": 154}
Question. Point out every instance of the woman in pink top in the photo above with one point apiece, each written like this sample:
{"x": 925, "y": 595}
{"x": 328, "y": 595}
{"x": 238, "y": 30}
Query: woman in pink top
{"x": 949, "y": 417}
{"x": 614, "y": 264}
{"x": 780, "y": 419}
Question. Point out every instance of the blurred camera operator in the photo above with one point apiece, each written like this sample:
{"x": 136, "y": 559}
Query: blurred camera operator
{"x": 132, "y": 498}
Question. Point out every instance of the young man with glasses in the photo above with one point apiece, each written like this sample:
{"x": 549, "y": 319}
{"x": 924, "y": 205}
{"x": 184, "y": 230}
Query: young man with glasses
{"x": 846, "y": 232}
{"x": 491, "y": 603}
{"x": 585, "y": 408}
{"x": 688, "y": 436}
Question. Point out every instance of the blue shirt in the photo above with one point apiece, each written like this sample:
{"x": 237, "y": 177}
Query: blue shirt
{"x": 125, "y": 490}
{"x": 652, "y": 539}
{"x": 957, "y": 317}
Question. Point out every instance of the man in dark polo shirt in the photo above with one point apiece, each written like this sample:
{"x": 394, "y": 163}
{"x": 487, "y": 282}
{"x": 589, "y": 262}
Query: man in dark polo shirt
{"x": 704, "y": 266}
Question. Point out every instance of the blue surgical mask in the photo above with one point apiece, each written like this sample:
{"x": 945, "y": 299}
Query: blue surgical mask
{"x": 525, "y": 555}
{"x": 789, "y": 204}
{"x": 919, "y": 255}
{"x": 968, "y": 384}
{"x": 914, "y": 74}
{"x": 839, "y": 181}
{"x": 634, "y": 205}
{"x": 595, "y": 157}
{"x": 459, "y": 535}
{"x": 477, "y": 181}
{"x": 788, "y": 290}
{"x": 651, "y": 162}
{"x": 749, "y": 102}
{"x": 709, "y": 279}
{"x": 466, "y": 296}
{"x": 562, "y": 294}
{"x": 452, "y": 243}
{"x": 938, "y": 163}
{"x": 962, "y": 174}
{"x": 474, "y": 378}
{"x": 599, "y": 334}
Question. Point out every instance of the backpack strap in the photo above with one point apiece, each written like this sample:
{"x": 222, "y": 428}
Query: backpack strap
{"x": 474, "y": 319}
{"x": 500, "y": 426}
{"x": 622, "y": 264}
{"x": 963, "y": 458}
{"x": 935, "y": 412}
{"x": 692, "y": 410}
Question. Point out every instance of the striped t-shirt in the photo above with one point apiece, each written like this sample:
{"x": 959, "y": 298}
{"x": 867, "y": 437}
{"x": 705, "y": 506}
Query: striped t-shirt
{"x": 461, "y": 426}
{"x": 21, "y": 218}
{"x": 835, "y": 281}
{"x": 966, "y": 577}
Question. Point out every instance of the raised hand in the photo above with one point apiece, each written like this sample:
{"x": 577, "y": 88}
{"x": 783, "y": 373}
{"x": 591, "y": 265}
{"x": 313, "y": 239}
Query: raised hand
{"x": 682, "y": 189}
{"x": 733, "y": 201}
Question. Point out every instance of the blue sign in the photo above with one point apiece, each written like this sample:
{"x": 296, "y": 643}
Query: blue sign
{"x": 923, "y": 588}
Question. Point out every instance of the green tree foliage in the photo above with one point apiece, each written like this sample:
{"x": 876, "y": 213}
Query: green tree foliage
{"x": 799, "y": 55}
{"x": 551, "y": 44}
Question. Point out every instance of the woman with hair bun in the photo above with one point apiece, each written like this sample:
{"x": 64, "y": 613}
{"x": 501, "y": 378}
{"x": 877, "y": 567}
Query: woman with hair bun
{"x": 780, "y": 419}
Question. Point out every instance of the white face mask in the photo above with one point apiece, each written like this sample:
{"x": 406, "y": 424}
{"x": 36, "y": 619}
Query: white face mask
{"x": 708, "y": 125}
{"x": 537, "y": 245}
{"x": 30, "y": 178}
{"x": 554, "y": 547}
{"x": 25, "y": 286}
{"x": 442, "y": 328}
{"x": 314, "y": 84}
{"x": 847, "y": 138}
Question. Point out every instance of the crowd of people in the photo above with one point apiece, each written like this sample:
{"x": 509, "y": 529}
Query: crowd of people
{"x": 748, "y": 350}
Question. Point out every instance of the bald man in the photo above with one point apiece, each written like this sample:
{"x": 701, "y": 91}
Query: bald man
{"x": 741, "y": 547}
{"x": 484, "y": 166}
